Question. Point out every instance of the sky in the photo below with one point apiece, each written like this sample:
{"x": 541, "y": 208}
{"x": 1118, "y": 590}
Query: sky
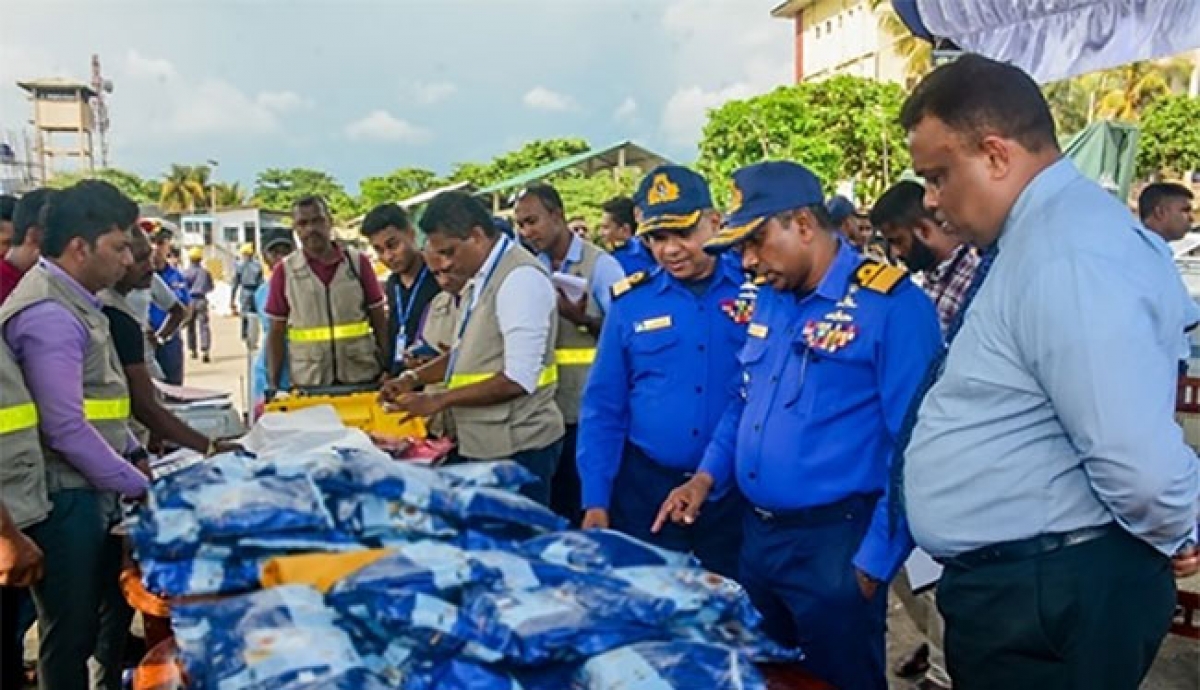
{"x": 362, "y": 87}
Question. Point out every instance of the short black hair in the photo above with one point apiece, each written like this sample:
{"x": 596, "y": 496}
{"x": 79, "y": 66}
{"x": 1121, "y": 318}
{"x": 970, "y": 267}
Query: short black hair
{"x": 30, "y": 212}
{"x": 976, "y": 96}
{"x": 456, "y": 214}
{"x": 621, "y": 209}
{"x": 384, "y": 216}
{"x": 8, "y": 204}
{"x": 903, "y": 204}
{"x": 312, "y": 200}
{"x": 1154, "y": 194}
{"x": 545, "y": 193}
{"x": 88, "y": 209}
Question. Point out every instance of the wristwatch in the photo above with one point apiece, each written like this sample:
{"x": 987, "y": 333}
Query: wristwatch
{"x": 411, "y": 374}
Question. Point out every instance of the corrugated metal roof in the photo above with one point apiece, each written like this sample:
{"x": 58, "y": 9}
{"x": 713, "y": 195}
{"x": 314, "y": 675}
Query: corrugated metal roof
{"x": 587, "y": 162}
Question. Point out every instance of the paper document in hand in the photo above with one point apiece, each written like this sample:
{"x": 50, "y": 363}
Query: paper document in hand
{"x": 573, "y": 287}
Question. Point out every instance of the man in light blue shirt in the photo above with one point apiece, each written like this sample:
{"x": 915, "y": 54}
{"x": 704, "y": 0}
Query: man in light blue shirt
{"x": 1045, "y": 469}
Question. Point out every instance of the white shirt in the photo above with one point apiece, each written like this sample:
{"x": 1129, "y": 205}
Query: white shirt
{"x": 525, "y": 307}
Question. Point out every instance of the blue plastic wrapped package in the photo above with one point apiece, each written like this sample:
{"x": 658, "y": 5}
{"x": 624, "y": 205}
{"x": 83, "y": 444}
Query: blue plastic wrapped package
{"x": 496, "y": 538}
{"x": 460, "y": 674}
{"x": 419, "y": 487}
{"x": 669, "y": 665}
{"x": 258, "y": 505}
{"x": 165, "y": 533}
{"x": 369, "y": 515}
{"x": 701, "y": 597}
{"x": 425, "y": 566}
{"x": 515, "y": 572}
{"x": 174, "y": 490}
{"x": 564, "y": 623}
{"x": 431, "y": 627}
{"x": 601, "y": 550}
{"x": 481, "y": 507}
{"x": 277, "y": 638}
{"x": 752, "y": 642}
{"x": 211, "y": 570}
{"x": 500, "y": 474}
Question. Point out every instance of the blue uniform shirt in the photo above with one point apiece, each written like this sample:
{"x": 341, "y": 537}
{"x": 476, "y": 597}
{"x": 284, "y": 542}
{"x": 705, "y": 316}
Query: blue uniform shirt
{"x": 827, "y": 380}
{"x": 1056, "y": 408}
{"x": 179, "y": 285}
{"x": 634, "y": 256}
{"x": 665, "y": 369}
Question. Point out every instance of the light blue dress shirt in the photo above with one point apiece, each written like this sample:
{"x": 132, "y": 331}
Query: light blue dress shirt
{"x": 606, "y": 274}
{"x": 1056, "y": 408}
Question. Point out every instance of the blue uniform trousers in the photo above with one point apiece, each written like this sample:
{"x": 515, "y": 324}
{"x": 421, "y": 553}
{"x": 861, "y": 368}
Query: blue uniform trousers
{"x": 170, "y": 359}
{"x": 797, "y": 568}
{"x": 641, "y": 487}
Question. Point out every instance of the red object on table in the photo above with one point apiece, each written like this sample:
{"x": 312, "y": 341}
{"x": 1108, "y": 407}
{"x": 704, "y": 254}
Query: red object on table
{"x": 791, "y": 677}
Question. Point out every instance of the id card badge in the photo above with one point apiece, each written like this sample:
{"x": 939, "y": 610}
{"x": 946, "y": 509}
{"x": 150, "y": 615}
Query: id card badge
{"x": 401, "y": 346}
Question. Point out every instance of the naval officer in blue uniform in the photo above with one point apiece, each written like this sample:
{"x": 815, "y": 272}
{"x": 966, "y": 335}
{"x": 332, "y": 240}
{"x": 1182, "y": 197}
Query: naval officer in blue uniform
{"x": 666, "y": 366}
{"x": 836, "y": 349}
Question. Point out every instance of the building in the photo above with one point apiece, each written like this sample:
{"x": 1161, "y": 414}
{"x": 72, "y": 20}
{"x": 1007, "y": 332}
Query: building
{"x": 835, "y": 37}
{"x": 222, "y": 233}
{"x": 63, "y": 123}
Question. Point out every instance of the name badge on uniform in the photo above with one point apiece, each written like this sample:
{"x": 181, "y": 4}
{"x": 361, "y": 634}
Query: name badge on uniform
{"x": 656, "y": 324}
{"x": 757, "y": 330}
{"x": 401, "y": 346}
{"x": 825, "y": 336}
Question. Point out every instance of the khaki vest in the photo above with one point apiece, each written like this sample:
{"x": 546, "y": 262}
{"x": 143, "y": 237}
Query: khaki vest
{"x": 441, "y": 317}
{"x": 105, "y": 393}
{"x": 329, "y": 336}
{"x": 529, "y": 422}
{"x": 22, "y": 469}
{"x": 576, "y": 348}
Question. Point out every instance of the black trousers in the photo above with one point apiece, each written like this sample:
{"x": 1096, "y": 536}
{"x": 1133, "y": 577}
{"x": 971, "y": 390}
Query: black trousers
{"x": 1088, "y": 617}
{"x": 565, "y": 494}
{"x": 11, "y": 649}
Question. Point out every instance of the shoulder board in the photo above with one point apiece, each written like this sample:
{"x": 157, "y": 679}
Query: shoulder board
{"x": 628, "y": 283}
{"x": 878, "y": 277}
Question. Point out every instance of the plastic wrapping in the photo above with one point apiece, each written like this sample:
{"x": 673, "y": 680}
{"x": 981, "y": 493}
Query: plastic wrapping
{"x": 277, "y": 638}
{"x": 211, "y": 570}
{"x": 374, "y": 516}
{"x": 431, "y": 627}
{"x": 249, "y": 507}
{"x": 513, "y": 572}
{"x": 700, "y": 597}
{"x": 429, "y": 567}
{"x": 483, "y": 507}
{"x": 669, "y": 665}
{"x": 501, "y": 474}
{"x": 601, "y": 550}
{"x": 415, "y": 486}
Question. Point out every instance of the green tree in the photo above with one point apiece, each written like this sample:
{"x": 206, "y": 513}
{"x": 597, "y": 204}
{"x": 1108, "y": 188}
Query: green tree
{"x": 584, "y": 195}
{"x": 141, "y": 190}
{"x": 278, "y": 189}
{"x": 532, "y": 155}
{"x": 184, "y": 188}
{"x": 395, "y": 186}
{"x": 1170, "y": 142}
{"x": 917, "y": 53}
{"x": 229, "y": 195}
{"x": 842, "y": 129}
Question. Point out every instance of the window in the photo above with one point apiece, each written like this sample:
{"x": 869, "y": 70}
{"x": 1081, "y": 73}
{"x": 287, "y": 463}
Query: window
{"x": 231, "y": 234}
{"x": 818, "y": 30}
{"x": 248, "y": 229}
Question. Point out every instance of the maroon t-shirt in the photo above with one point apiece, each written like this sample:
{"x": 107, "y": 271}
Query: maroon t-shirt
{"x": 277, "y": 304}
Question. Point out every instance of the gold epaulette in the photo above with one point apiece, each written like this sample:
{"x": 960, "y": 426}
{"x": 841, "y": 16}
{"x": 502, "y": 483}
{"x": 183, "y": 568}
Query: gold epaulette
{"x": 878, "y": 277}
{"x": 628, "y": 283}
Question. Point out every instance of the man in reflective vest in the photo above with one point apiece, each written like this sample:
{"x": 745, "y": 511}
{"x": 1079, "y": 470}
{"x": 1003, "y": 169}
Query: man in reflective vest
{"x": 500, "y": 372}
{"x": 326, "y": 303}
{"x": 59, "y": 337}
{"x": 569, "y": 258}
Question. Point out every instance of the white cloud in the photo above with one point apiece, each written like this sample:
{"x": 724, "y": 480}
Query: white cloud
{"x": 380, "y": 125}
{"x": 142, "y": 66}
{"x": 282, "y": 101}
{"x": 541, "y": 98}
{"x": 431, "y": 93}
{"x": 626, "y": 111}
{"x": 723, "y": 50}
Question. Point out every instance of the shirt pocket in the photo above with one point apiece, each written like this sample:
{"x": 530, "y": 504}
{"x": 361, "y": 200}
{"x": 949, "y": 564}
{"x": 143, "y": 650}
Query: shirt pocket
{"x": 653, "y": 355}
{"x": 752, "y": 359}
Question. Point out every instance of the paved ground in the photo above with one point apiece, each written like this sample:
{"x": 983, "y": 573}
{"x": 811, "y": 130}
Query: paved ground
{"x": 1177, "y": 667}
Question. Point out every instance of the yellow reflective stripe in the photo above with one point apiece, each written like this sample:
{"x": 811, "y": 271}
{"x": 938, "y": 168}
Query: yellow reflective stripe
{"x": 18, "y": 418}
{"x": 548, "y": 376}
{"x": 577, "y": 356}
{"x": 106, "y": 410}
{"x": 325, "y": 333}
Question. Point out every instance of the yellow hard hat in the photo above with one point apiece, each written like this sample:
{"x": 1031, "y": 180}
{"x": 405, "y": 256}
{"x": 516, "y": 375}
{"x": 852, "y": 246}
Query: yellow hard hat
{"x": 247, "y": 249}
{"x": 195, "y": 253}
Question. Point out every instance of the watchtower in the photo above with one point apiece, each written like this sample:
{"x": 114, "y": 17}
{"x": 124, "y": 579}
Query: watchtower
{"x": 63, "y": 122}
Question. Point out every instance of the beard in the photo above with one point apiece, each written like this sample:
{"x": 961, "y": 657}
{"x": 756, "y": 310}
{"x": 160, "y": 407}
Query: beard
{"x": 921, "y": 257}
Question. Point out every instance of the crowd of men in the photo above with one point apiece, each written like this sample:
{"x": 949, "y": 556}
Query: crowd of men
{"x": 757, "y": 385}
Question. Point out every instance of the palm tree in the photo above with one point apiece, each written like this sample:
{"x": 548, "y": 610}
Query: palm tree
{"x": 229, "y": 195}
{"x": 917, "y": 53}
{"x": 1124, "y": 92}
{"x": 184, "y": 188}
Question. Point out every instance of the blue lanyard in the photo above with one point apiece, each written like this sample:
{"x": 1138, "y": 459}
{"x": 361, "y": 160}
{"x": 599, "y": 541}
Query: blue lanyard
{"x": 406, "y": 309}
{"x": 476, "y": 293}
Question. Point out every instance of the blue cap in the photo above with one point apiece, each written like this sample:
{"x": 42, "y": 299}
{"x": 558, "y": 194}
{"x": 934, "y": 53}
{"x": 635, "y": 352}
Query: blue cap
{"x": 671, "y": 197}
{"x": 761, "y": 191}
{"x": 839, "y": 208}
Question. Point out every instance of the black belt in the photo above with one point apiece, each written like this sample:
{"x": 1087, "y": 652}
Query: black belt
{"x": 1009, "y": 551}
{"x": 845, "y": 509}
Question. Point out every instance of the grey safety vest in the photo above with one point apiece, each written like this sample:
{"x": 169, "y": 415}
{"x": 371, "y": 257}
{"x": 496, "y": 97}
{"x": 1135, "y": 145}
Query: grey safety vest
{"x": 575, "y": 349}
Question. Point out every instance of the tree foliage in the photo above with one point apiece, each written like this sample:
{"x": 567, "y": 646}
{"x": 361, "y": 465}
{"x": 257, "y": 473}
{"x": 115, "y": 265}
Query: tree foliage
{"x": 585, "y": 195}
{"x": 141, "y": 190}
{"x": 845, "y": 128}
{"x": 1170, "y": 142}
{"x": 185, "y": 188}
{"x": 277, "y": 189}
{"x": 394, "y": 186}
{"x": 532, "y": 155}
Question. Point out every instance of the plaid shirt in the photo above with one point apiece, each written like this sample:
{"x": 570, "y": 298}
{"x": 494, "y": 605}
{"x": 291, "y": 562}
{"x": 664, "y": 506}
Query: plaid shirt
{"x": 947, "y": 284}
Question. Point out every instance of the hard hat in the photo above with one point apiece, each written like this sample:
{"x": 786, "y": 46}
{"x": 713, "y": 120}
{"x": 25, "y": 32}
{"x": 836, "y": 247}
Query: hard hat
{"x": 195, "y": 253}
{"x": 247, "y": 249}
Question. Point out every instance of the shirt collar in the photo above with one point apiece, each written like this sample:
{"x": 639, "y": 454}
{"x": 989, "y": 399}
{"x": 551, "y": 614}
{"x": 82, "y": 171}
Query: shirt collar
{"x": 833, "y": 286}
{"x": 574, "y": 254}
{"x": 1043, "y": 186}
{"x": 498, "y": 250}
{"x": 57, "y": 271}
{"x": 725, "y": 270}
